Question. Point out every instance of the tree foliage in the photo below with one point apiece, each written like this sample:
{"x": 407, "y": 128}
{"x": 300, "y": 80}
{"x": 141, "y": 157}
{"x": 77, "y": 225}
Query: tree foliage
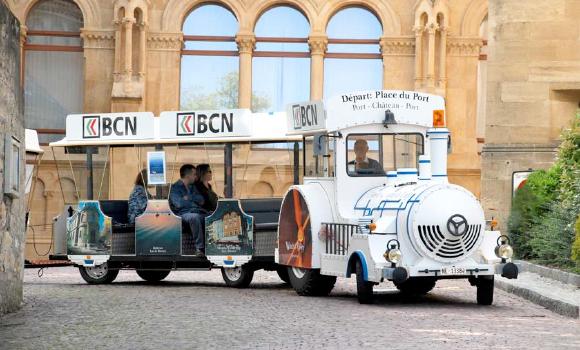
{"x": 544, "y": 221}
{"x": 226, "y": 96}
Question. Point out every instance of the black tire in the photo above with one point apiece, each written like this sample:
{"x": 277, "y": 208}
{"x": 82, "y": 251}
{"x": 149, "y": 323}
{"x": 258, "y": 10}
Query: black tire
{"x": 283, "y": 273}
{"x": 238, "y": 277}
{"x": 364, "y": 289}
{"x": 417, "y": 286}
{"x": 153, "y": 275}
{"x": 309, "y": 282}
{"x": 99, "y": 274}
{"x": 485, "y": 286}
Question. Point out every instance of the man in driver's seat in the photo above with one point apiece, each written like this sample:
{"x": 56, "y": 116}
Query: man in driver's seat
{"x": 363, "y": 164}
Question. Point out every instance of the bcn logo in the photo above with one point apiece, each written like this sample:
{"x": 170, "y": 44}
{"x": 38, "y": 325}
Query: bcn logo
{"x": 304, "y": 116}
{"x": 97, "y": 126}
{"x": 189, "y": 124}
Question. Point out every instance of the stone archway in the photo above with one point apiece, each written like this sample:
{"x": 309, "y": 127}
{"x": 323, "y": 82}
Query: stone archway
{"x": 473, "y": 17}
{"x": 386, "y": 15}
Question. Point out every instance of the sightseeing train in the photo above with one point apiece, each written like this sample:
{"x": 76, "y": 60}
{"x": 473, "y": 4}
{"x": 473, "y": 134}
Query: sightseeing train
{"x": 369, "y": 198}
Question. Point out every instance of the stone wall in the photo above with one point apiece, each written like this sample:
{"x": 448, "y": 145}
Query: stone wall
{"x": 12, "y": 211}
{"x": 533, "y": 90}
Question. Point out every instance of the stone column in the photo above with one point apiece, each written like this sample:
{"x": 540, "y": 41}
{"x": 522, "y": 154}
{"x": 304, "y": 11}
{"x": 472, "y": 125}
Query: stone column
{"x": 142, "y": 47}
{"x": 118, "y": 37}
{"x": 431, "y": 30}
{"x": 318, "y": 45}
{"x": 418, "y": 56}
{"x": 442, "y": 59}
{"x": 128, "y": 29}
{"x": 246, "y": 45}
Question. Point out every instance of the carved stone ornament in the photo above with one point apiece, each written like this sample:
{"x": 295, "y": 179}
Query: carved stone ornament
{"x": 464, "y": 46}
{"x": 98, "y": 39}
{"x": 318, "y": 45}
{"x": 400, "y": 46}
{"x": 246, "y": 43}
{"x": 165, "y": 41}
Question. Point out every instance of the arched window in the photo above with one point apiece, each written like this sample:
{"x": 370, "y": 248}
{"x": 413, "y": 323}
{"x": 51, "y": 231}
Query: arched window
{"x": 209, "y": 62}
{"x": 281, "y": 63}
{"x": 53, "y": 67}
{"x": 353, "y": 60}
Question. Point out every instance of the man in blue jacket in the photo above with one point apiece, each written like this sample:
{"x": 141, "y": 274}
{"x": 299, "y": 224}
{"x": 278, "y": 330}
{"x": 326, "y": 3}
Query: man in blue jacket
{"x": 185, "y": 201}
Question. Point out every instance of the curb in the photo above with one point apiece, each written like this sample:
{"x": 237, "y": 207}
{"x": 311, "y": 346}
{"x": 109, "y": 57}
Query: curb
{"x": 560, "y": 307}
{"x": 558, "y": 275}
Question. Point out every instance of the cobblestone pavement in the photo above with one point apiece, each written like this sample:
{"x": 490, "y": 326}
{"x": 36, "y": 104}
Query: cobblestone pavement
{"x": 195, "y": 310}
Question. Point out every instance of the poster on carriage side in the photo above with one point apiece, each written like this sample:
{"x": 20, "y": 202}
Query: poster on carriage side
{"x": 158, "y": 230}
{"x": 295, "y": 232}
{"x": 229, "y": 231}
{"x": 89, "y": 230}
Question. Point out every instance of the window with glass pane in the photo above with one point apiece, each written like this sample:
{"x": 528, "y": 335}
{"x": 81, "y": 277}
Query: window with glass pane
{"x": 281, "y": 63}
{"x": 320, "y": 163}
{"x": 209, "y": 62}
{"x": 353, "y": 60}
{"x": 375, "y": 154}
{"x": 53, "y": 67}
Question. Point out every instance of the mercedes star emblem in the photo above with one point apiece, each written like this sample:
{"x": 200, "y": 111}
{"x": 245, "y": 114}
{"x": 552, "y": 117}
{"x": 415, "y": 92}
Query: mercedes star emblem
{"x": 457, "y": 225}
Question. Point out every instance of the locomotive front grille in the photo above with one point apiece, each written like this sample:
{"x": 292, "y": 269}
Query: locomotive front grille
{"x": 446, "y": 248}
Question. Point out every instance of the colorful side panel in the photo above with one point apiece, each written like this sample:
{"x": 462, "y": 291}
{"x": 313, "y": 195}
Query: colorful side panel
{"x": 158, "y": 230}
{"x": 294, "y": 232}
{"x": 229, "y": 231}
{"x": 88, "y": 230}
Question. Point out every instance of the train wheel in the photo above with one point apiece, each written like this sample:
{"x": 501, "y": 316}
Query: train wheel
{"x": 309, "y": 282}
{"x": 238, "y": 277}
{"x": 364, "y": 289}
{"x": 152, "y": 275}
{"x": 283, "y": 273}
{"x": 485, "y": 286}
{"x": 98, "y": 274}
{"x": 417, "y": 286}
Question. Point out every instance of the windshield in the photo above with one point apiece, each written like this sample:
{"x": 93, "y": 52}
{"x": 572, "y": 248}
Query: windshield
{"x": 375, "y": 154}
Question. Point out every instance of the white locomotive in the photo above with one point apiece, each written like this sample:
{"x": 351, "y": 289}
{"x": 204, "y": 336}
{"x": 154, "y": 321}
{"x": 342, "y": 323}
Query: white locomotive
{"x": 375, "y": 201}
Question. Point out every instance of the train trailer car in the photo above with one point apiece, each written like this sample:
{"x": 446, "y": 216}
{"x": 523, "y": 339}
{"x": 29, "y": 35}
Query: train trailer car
{"x": 376, "y": 202}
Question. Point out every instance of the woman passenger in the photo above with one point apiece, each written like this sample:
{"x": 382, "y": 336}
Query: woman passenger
{"x": 203, "y": 185}
{"x": 138, "y": 197}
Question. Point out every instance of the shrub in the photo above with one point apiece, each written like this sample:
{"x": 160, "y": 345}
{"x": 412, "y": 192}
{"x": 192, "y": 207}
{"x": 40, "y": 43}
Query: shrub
{"x": 576, "y": 244}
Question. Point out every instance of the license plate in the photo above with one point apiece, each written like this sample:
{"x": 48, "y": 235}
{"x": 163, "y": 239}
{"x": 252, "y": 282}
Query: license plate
{"x": 453, "y": 271}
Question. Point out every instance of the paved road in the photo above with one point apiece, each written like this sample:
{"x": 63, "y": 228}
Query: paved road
{"x": 195, "y": 310}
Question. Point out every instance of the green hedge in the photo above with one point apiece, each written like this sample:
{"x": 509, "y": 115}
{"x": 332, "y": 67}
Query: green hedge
{"x": 544, "y": 222}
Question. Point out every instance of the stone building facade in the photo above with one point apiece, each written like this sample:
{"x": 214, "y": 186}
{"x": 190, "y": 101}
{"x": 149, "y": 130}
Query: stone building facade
{"x": 533, "y": 90}
{"x": 131, "y": 51}
{"x": 12, "y": 209}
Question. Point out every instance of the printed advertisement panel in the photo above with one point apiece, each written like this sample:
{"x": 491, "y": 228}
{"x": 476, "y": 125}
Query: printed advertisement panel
{"x": 294, "y": 232}
{"x": 89, "y": 231}
{"x": 158, "y": 230}
{"x": 229, "y": 231}
{"x": 156, "y": 168}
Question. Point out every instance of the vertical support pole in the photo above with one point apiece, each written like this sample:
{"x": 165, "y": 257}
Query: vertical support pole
{"x": 296, "y": 163}
{"x": 159, "y": 188}
{"x": 89, "y": 151}
{"x": 228, "y": 171}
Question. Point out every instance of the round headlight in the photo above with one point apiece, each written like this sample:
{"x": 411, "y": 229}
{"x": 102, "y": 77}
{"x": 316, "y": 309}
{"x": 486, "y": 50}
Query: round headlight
{"x": 504, "y": 251}
{"x": 393, "y": 255}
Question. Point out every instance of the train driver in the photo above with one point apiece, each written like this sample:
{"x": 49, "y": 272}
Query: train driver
{"x": 363, "y": 164}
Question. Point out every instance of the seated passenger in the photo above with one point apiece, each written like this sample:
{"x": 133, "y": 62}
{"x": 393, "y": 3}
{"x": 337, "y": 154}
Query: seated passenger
{"x": 185, "y": 201}
{"x": 138, "y": 197}
{"x": 364, "y": 165}
{"x": 203, "y": 185}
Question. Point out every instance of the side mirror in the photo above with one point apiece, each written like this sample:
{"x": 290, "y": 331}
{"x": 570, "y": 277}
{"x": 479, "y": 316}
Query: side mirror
{"x": 449, "y": 145}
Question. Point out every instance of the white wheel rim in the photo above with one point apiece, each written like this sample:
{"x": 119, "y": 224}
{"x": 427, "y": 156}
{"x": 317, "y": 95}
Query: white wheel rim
{"x": 233, "y": 274}
{"x": 97, "y": 272}
{"x": 298, "y": 272}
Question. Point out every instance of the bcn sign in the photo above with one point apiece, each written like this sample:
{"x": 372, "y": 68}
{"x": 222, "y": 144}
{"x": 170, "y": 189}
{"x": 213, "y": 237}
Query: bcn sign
{"x": 204, "y": 124}
{"x": 307, "y": 116}
{"x": 110, "y": 126}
